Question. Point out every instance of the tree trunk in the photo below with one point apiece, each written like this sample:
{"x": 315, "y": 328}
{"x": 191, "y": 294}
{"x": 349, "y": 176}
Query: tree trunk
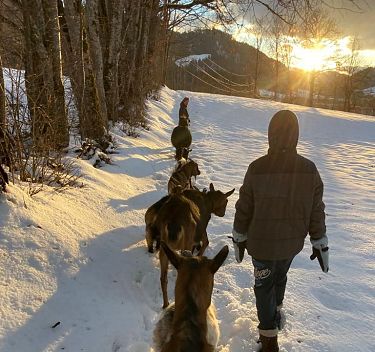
{"x": 70, "y": 15}
{"x": 53, "y": 45}
{"x": 255, "y": 89}
{"x": 112, "y": 48}
{"x": 348, "y": 92}
{"x": 92, "y": 119}
{"x": 43, "y": 74}
{"x": 2, "y": 100}
{"x": 94, "y": 56}
{"x": 277, "y": 72}
{"x": 312, "y": 88}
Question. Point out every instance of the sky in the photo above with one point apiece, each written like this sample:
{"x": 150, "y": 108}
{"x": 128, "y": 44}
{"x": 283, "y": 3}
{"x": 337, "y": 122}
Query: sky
{"x": 362, "y": 24}
{"x": 350, "y": 24}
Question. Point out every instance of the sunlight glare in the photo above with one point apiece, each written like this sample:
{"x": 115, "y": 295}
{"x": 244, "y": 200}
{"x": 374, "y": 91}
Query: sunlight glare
{"x": 317, "y": 58}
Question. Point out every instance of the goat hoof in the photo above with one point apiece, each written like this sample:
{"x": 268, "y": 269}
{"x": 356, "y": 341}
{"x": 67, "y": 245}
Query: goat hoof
{"x": 151, "y": 250}
{"x": 165, "y": 305}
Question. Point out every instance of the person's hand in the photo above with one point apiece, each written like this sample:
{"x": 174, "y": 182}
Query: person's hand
{"x": 320, "y": 251}
{"x": 239, "y": 245}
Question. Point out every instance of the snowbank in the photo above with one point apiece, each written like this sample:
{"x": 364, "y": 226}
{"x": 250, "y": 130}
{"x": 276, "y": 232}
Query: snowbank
{"x": 188, "y": 59}
{"x": 78, "y": 258}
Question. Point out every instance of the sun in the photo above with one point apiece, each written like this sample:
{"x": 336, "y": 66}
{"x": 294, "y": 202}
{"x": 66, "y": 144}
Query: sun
{"x": 316, "y": 58}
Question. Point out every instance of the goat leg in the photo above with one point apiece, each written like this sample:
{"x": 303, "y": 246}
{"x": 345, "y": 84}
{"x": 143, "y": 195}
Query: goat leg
{"x": 164, "y": 277}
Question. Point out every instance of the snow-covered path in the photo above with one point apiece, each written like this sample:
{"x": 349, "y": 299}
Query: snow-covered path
{"x": 79, "y": 257}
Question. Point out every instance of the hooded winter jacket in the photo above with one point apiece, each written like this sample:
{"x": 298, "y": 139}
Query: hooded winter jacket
{"x": 280, "y": 200}
{"x": 183, "y": 116}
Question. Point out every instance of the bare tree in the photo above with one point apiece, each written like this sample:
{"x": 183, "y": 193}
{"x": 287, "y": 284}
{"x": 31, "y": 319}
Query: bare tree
{"x": 227, "y": 11}
{"x": 259, "y": 31}
{"x": 43, "y": 73}
{"x": 113, "y": 15}
{"x": 286, "y": 58}
{"x": 277, "y": 30}
{"x": 351, "y": 65}
{"x": 2, "y": 98}
{"x": 317, "y": 28}
{"x": 84, "y": 57}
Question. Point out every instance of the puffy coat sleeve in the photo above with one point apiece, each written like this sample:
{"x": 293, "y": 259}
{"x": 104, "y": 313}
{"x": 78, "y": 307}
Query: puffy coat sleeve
{"x": 317, "y": 227}
{"x": 244, "y": 205}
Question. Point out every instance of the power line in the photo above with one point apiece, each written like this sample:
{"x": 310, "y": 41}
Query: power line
{"x": 209, "y": 84}
{"x": 220, "y": 82}
{"x": 215, "y": 79}
{"x": 230, "y": 82}
{"x": 224, "y": 69}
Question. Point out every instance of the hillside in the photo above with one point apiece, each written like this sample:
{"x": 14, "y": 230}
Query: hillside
{"x": 236, "y": 59}
{"x": 231, "y": 70}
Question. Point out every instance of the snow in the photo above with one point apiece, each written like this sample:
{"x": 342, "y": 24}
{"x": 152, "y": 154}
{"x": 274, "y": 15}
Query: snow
{"x": 184, "y": 61}
{"x": 79, "y": 257}
{"x": 369, "y": 91}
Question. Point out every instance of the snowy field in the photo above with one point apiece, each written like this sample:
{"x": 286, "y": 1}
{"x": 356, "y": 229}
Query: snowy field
{"x": 79, "y": 258}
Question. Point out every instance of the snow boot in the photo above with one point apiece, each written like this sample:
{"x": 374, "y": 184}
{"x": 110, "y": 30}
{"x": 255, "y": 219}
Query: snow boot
{"x": 269, "y": 344}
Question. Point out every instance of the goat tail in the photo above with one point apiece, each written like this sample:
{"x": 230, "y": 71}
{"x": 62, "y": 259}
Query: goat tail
{"x": 174, "y": 230}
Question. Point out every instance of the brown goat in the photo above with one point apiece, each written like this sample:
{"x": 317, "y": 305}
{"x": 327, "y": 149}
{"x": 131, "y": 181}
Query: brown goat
{"x": 152, "y": 234}
{"x": 182, "y": 176}
{"x": 190, "y": 323}
{"x": 182, "y": 222}
{"x": 176, "y": 225}
{"x": 211, "y": 202}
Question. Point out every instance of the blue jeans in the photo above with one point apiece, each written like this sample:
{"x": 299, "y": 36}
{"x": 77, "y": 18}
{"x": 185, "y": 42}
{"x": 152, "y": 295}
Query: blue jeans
{"x": 270, "y": 283}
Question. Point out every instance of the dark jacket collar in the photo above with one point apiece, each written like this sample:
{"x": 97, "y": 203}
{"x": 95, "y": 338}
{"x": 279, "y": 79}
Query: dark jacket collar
{"x": 282, "y": 151}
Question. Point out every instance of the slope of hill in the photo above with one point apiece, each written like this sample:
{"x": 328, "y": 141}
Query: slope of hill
{"x": 235, "y": 57}
{"x": 79, "y": 258}
{"x": 231, "y": 70}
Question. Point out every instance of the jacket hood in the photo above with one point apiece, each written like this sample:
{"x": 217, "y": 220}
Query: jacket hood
{"x": 283, "y": 131}
{"x": 183, "y": 101}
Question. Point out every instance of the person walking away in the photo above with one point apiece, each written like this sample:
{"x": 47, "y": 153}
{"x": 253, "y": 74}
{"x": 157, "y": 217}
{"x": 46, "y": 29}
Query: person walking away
{"x": 280, "y": 202}
{"x": 181, "y": 137}
{"x": 183, "y": 115}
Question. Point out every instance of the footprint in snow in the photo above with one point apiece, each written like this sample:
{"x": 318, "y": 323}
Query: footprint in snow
{"x": 116, "y": 346}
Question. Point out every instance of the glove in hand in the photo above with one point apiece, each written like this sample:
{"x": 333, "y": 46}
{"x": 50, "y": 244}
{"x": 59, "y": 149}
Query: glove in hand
{"x": 320, "y": 251}
{"x": 239, "y": 245}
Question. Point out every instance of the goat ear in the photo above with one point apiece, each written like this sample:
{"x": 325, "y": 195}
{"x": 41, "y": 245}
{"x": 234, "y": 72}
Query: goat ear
{"x": 219, "y": 259}
{"x": 229, "y": 193}
{"x": 212, "y": 187}
{"x": 173, "y": 257}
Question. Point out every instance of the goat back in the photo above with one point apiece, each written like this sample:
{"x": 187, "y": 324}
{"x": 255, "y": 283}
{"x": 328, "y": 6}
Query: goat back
{"x": 176, "y": 221}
